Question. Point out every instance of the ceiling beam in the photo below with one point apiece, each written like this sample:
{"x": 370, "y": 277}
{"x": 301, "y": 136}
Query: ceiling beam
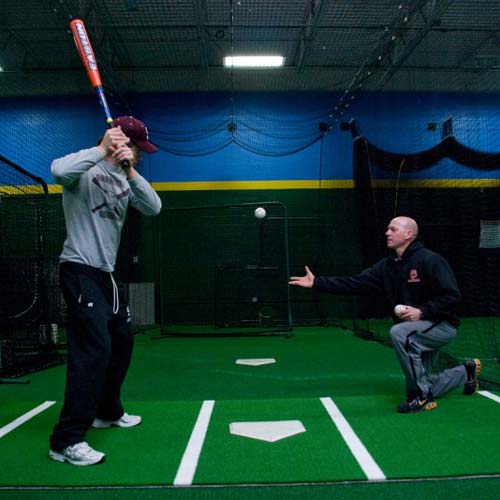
{"x": 200, "y": 11}
{"x": 403, "y": 48}
{"x": 472, "y": 52}
{"x": 400, "y": 24}
{"x": 313, "y": 15}
{"x": 14, "y": 38}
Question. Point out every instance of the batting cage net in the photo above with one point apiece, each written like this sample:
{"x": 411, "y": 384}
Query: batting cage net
{"x": 26, "y": 331}
{"x": 243, "y": 287}
{"x": 460, "y": 223}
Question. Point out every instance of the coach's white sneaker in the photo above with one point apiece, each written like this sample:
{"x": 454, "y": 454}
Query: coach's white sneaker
{"x": 125, "y": 420}
{"x": 78, "y": 454}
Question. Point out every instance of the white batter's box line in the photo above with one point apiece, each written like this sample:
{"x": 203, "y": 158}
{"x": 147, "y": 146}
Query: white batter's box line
{"x": 490, "y": 395}
{"x": 24, "y": 418}
{"x": 372, "y": 471}
{"x": 189, "y": 462}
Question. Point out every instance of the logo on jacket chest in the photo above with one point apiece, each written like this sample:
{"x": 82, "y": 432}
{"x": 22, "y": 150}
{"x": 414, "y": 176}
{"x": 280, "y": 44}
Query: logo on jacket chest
{"x": 110, "y": 191}
{"x": 413, "y": 276}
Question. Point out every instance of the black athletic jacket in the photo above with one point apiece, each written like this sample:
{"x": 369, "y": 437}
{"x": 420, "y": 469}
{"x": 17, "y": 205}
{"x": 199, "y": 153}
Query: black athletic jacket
{"x": 420, "y": 278}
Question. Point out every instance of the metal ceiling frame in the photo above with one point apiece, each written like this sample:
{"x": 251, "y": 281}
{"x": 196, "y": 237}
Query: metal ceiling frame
{"x": 14, "y": 38}
{"x": 403, "y": 48}
{"x": 403, "y": 53}
{"x": 200, "y": 10}
{"x": 396, "y": 44}
{"x": 312, "y": 19}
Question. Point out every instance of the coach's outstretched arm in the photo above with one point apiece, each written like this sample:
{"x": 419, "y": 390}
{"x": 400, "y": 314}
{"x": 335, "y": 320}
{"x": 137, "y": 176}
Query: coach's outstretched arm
{"x": 306, "y": 281}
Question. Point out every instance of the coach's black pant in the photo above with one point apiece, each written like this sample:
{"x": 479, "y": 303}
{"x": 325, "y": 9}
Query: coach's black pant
{"x": 99, "y": 350}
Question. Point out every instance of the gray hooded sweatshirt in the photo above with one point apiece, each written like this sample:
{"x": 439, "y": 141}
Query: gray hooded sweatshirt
{"x": 96, "y": 195}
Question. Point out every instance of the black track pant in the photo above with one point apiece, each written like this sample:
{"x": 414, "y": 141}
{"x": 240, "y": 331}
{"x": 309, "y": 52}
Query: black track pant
{"x": 100, "y": 344}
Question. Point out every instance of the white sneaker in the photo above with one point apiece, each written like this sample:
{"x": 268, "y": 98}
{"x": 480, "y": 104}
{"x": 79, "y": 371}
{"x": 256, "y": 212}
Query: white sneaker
{"x": 125, "y": 420}
{"x": 78, "y": 454}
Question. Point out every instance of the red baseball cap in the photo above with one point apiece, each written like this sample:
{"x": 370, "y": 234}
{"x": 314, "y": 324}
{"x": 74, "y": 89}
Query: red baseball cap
{"x": 136, "y": 131}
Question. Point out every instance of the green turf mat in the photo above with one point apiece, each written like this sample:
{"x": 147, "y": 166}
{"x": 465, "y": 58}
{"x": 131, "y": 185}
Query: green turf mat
{"x": 460, "y": 437}
{"x": 147, "y": 454}
{"x": 204, "y": 330}
{"x": 170, "y": 378}
{"x": 319, "y": 454}
{"x": 11, "y": 409}
{"x": 313, "y": 362}
{"x": 444, "y": 489}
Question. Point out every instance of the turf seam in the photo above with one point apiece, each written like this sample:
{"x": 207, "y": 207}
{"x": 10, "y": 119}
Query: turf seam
{"x": 255, "y": 485}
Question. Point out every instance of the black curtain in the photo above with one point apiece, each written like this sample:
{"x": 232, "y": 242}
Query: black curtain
{"x": 449, "y": 218}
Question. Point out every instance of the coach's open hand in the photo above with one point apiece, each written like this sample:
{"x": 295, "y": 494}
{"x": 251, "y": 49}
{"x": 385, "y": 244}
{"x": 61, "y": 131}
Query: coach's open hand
{"x": 306, "y": 281}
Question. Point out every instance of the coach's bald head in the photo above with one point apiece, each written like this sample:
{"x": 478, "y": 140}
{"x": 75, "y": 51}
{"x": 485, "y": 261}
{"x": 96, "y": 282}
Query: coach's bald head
{"x": 401, "y": 232}
{"x": 407, "y": 223}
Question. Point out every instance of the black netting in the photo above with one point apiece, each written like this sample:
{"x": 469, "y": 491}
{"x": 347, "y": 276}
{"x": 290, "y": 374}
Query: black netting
{"x": 224, "y": 268}
{"x": 26, "y": 332}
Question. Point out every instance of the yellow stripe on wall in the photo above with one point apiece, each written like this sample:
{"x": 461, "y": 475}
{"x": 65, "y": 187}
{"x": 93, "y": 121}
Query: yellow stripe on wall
{"x": 21, "y": 189}
{"x": 54, "y": 188}
{"x": 325, "y": 184}
{"x": 251, "y": 185}
{"x": 299, "y": 184}
{"x": 225, "y": 185}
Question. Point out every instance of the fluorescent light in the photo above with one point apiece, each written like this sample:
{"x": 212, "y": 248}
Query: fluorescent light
{"x": 1, "y": 69}
{"x": 253, "y": 61}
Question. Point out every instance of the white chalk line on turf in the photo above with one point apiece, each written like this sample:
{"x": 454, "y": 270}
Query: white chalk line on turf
{"x": 189, "y": 462}
{"x": 361, "y": 454}
{"x": 488, "y": 394}
{"x": 24, "y": 418}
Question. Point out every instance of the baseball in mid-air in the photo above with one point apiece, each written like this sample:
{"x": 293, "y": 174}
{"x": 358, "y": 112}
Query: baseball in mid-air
{"x": 260, "y": 212}
{"x": 399, "y": 309}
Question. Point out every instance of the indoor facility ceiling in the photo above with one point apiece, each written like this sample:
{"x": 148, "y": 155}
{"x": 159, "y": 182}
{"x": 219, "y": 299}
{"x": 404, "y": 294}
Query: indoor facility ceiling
{"x": 179, "y": 45}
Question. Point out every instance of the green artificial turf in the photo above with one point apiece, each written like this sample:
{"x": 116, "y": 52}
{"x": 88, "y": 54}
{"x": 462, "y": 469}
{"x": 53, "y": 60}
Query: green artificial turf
{"x": 460, "y": 437}
{"x": 474, "y": 489}
{"x": 170, "y": 378}
{"x": 312, "y": 363}
{"x": 315, "y": 455}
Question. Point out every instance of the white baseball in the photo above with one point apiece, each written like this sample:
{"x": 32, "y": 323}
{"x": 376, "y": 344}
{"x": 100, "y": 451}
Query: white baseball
{"x": 399, "y": 309}
{"x": 260, "y": 212}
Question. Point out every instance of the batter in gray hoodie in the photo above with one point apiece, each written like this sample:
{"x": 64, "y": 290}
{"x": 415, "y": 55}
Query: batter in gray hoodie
{"x": 96, "y": 195}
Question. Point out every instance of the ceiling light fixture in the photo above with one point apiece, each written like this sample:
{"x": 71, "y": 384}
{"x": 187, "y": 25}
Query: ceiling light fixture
{"x": 253, "y": 61}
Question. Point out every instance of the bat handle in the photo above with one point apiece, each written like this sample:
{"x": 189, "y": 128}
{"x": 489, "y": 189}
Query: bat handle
{"x": 109, "y": 119}
{"x": 123, "y": 163}
{"x": 104, "y": 103}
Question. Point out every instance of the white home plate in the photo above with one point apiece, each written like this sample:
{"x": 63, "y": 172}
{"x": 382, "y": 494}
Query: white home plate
{"x": 267, "y": 431}
{"x": 255, "y": 362}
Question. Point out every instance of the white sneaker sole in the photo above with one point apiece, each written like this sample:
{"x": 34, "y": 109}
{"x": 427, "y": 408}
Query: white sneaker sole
{"x": 106, "y": 424}
{"x": 59, "y": 457}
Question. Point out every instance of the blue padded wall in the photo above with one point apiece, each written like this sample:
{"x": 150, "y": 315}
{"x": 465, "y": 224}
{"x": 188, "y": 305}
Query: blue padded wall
{"x": 276, "y": 136}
